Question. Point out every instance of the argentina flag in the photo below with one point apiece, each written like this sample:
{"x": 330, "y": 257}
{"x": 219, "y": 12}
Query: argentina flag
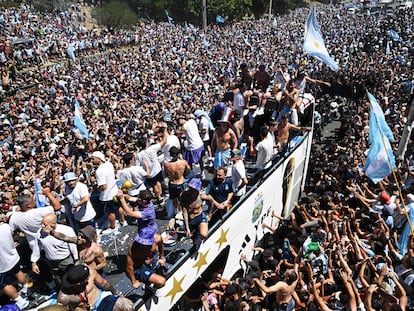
{"x": 395, "y": 36}
{"x": 78, "y": 122}
{"x": 380, "y": 160}
{"x": 313, "y": 43}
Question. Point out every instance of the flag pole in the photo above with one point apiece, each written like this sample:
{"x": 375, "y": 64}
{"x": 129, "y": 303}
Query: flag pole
{"x": 394, "y": 174}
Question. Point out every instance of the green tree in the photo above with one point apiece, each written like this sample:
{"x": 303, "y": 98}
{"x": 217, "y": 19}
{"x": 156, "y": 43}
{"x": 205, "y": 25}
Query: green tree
{"x": 52, "y": 5}
{"x": 116, "y": 14}
{"x": 231, "y": 9}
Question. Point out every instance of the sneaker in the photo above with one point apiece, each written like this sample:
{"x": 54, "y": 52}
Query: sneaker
{"x": 124, "y": 223}
{"x": 21, "y": 302}
{"x": 109, "y": 231}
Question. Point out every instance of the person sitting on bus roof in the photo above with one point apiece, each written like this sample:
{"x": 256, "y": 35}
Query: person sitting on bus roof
{"x": 219, "y": 192}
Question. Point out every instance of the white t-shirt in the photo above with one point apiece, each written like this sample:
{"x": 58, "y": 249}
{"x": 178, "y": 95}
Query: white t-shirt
{"x": 203, "y": 125}
{"x": 135, "y": 174}
{"x": 238, "y": 102}
{"x": 172, "y": 141}
{"x": 281, "y": 80}
{"x": 29, "y": 222}
{"x": 9, "y": 256}
{"x": 105, "y": 175}
{"x": 54, "y": 249}
{"x": 194, "y": 140}
{"x": 84, "y": 212}
{"x": 238, "y": 172}
{"x": 264, "y": 153}
{"x": 150, "y": 155}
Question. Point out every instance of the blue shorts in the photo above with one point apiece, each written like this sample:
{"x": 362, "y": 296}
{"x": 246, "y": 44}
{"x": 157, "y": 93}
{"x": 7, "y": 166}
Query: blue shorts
{"x": 151, "y": 182}
{"x": 144, "y": 272}
{"x": 196, "y": 221}
{"x": 109, "y": 207}
{"x": 175, "y": 190}
{"x": 9, "y": 277}
{"x": 222, "y": 158}
{"x": 193, "y": 156}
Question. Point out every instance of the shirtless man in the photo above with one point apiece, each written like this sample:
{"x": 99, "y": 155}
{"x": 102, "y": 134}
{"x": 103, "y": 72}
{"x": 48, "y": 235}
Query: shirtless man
{"x": 283, "y": 289}
{"x": 175, "y": 171}
{"x": 194, "y": 217}
{"x": 283, "y": 129}
{"x": 90, "y": 252}
{"x": 80, "y": 292}
{"x": 223, "y": 140}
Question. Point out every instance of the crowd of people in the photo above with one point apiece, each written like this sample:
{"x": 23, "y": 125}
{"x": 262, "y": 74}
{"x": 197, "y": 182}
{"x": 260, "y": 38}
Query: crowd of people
{"x": 162, "y": 102}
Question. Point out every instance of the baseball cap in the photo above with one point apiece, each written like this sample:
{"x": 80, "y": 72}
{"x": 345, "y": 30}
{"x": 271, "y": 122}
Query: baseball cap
{"x": 99, "y": 155}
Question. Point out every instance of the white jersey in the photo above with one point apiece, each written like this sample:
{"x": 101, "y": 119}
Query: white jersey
{"x": 29, "y": 222}
{"x": 264, "y": 153}
{"x": 135, "y": 174}
{"x": 85, "y": 212}
{"x": 191, "y": 134}
{"x": 203, "y": 125}
{"x": 238, "y": 173}
{"x": 9, "y": 256}
{"x": 172, "y": 141}
{"x": 105, "y": 175}
{"x": 150, "y": 155}
{"x": 53, "y": 248}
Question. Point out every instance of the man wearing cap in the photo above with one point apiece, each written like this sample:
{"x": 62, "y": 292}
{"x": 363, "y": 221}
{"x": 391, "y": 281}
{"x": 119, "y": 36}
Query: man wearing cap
{"x": 77, "y": 202}
{"x": 238, "y": 175}
{"x": 59, "y": 254}
{"x": 105, "y": 178}
{"x": 194, "y": 216}
{"x": 223, "y": 140}
{"x": 175, "y": 171}
{"x": 80, "y": 292}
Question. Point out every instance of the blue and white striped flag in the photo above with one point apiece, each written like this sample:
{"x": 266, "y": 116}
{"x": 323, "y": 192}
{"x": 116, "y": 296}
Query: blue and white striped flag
{"x": 40, "y": 198}
{"x": 395, "y": 36}
{"x": 220, "y": 19}
{"x": 313, "y": 43}
{"x": 379, "y": 115}
{"x": 170, "y": 19}
{"x": 380, "y": 160}
{"x": 78, "y": 122}
{"x": 205, "y": 43}
{"x": 248, "y": 44}
{"x": 388, "y": 48}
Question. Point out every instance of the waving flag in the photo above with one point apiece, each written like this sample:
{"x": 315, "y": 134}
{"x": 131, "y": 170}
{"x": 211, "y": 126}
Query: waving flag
{"x": 380, "y": 159}
{"x": 248, "y": 44}
{"x": 220, "y": 19}
{"x": 40, "y": 198}
{"x": 379, "y": 115}
{"x": 79, "y": 123}
{"x": 388, "y": 49}
{"x": 170, "y": 19}
{"x": 313, "y": 43}
{"x": 395, "y": 36}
